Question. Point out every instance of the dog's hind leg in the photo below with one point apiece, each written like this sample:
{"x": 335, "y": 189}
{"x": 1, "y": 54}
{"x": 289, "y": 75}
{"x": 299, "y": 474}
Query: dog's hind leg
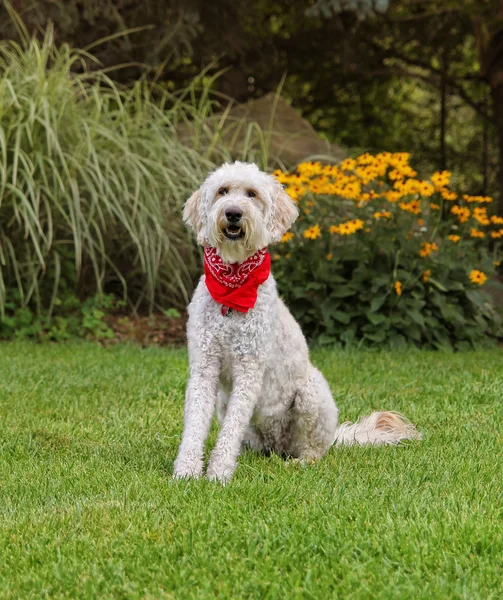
{"x": 314, "y": 418}
{"x": 253, "y": 440}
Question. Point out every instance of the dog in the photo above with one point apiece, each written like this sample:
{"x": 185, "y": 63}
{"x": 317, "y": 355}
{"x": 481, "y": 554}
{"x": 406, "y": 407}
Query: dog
{"x": 248, "y": 357}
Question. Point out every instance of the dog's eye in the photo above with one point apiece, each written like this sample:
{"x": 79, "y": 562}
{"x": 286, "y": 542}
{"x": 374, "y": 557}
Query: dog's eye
{"x": 251, "y": 194}
{"x": 223, "y": 191}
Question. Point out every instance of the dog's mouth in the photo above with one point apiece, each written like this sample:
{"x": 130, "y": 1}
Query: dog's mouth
{"x": 233, "y": 232}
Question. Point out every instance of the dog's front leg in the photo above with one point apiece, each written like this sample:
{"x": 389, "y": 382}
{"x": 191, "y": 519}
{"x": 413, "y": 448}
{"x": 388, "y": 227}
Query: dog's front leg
{"x": 200, "y": 400}
{"x": 248, "y": 378}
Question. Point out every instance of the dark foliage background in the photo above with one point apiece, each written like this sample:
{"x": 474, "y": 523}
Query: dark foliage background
{"x": 418, "y": 75}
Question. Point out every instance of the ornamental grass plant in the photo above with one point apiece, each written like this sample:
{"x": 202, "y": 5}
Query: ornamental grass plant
{"x": 381, "y": 257}
{"x": 92, "y": 180}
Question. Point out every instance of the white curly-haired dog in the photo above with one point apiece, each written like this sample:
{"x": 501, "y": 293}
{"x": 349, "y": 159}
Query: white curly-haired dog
{"x": 248, "y": 356}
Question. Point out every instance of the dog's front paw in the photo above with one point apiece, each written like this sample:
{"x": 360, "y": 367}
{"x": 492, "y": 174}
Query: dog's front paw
{"x": 220, "y": 472}
{"x": 187, "y": 469}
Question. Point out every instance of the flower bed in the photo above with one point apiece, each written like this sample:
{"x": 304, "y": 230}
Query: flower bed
{"x": 382, "y": 257}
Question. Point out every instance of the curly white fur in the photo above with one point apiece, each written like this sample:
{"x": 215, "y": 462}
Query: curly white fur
{"x": 254, "y": 367}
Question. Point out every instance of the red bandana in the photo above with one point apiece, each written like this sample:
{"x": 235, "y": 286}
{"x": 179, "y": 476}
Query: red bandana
{"x": 235, "y": 285}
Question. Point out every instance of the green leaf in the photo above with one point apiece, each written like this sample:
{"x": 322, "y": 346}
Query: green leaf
{"x": 342, "y": 317}
{"x": 417, "y": 317}
{"x": 326, "y": 340}
{"x": 376, "y": 318}
{"x": 378, "y": 336}
{"x": 377, "y": 302}
{"x": 398, "y": 342}
{"x": 475, "y": 297}
{"x": 437, "y": 284}
{"x": 344, "y": 292}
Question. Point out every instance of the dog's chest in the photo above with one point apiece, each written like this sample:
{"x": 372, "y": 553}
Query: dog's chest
{"x": 233, "y": 334}
{"x": 239, "y": 337}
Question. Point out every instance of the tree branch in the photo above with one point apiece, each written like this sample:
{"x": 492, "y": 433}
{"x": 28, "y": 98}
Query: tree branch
{"x": 395, "y": 54}
{"x": 435, "y": 82}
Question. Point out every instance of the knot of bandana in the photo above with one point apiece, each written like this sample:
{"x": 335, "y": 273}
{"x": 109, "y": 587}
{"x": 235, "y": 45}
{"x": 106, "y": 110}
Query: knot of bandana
{"x": 235, "y": 285}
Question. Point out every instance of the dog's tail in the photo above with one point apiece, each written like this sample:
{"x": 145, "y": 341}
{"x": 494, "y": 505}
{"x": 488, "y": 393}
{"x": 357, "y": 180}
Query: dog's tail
{"x": 377, "y": 429}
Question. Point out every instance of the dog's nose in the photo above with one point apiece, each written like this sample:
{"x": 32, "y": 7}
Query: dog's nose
{"x": 233, "y": 215}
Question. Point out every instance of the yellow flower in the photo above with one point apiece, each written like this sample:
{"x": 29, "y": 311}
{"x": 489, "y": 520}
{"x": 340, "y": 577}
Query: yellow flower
{"x": 497, "y": 234}
{"x": 480, "y": 215}
{"x": 454, "y": 238}
{"x": 383, "y": 214}
{"x": 347, "y": 228}
{"x": 348, "y": 165}
{"x": 427, "y": 249}
{"x": 310, "y": 168}
{"x": 408, "y": 171}
{"x": 420, "y": 222}
{"x": 398, "y": 288}
{"x": 434, "y": 206}
{"x": 461, "y": 212}
{"x": 426, "y": 189}
{"x": 411, "y": 186}
{"x": 330, "y": 256}
{"x": 392, "y": 196}
{"x": 426, "y": 275}
{"x": 292, "y": 193}
{"x": 413, "y": 207}
{"x": 478, "y": 277}
{"x": 366, "y": 159}
{"x": 312, "y": 232}
{"x": 497, "y": 263}
{"x": 398, "y": 159}
{"x": 475, "y": 233}
{"x": 448, "y": 195}
{"x": 497, "y": 220}
{"x": 275, "y": 256}
{"x": 395, "y": 174}
{"x": 282, "y": 176}
{"x": 478, "y": 199}
{"x": 441, "y": 179}
{"x": 287, "y": 237}
{"x": 366, "y": 174}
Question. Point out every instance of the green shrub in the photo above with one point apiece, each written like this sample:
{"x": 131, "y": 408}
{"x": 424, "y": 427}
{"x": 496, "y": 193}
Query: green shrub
{"x": 381, "y": 258}
{"x": 73, "y": 318}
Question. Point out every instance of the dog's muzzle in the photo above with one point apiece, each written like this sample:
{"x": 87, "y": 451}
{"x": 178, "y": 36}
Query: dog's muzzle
{"x": 233, "y": 229}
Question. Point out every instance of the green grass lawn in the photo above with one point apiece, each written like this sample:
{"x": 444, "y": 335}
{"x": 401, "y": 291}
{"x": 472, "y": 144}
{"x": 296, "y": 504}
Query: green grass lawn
{"x": 88, "y": 508}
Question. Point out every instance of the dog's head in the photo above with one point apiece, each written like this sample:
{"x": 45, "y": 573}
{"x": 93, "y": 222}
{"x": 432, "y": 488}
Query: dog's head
{"x": 239, "y": 210}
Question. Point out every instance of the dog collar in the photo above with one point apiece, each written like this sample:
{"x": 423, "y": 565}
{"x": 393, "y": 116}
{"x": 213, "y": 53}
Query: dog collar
{"x": 235, "y": 286}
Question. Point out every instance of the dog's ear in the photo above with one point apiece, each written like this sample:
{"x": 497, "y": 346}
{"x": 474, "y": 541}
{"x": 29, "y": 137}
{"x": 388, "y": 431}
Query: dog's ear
{"x": 192, "y": 213}
{"x": 284, "y": 213}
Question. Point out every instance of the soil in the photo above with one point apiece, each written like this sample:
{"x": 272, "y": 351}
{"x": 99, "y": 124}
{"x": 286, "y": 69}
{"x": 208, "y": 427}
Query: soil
{"x": 156, "y": 329}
